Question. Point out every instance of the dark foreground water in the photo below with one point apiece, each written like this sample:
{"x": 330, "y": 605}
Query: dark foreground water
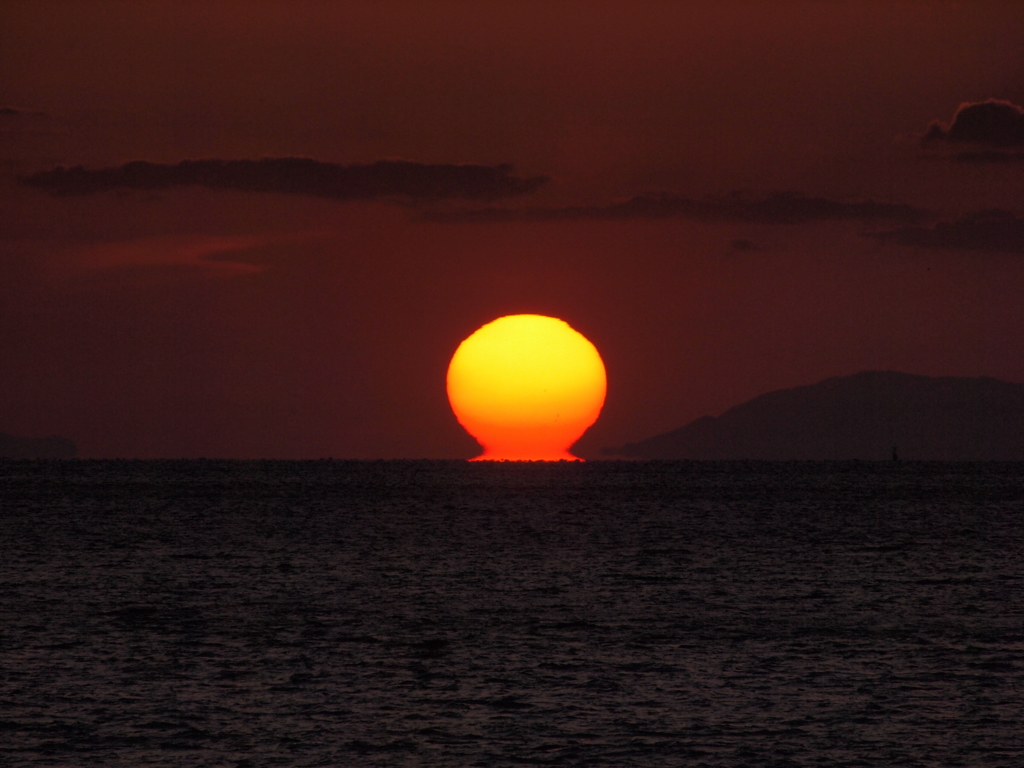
{"x": 448, "y": 614}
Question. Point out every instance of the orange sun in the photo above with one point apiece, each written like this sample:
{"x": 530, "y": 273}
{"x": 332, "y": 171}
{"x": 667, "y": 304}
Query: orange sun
{"x": 526, "y": 387}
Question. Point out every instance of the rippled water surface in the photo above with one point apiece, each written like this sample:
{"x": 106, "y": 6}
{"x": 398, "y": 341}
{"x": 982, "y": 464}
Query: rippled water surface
{"x": 449, "y": 614}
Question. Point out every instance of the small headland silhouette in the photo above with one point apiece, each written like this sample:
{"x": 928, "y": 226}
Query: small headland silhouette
{"x": 54, "y": 447}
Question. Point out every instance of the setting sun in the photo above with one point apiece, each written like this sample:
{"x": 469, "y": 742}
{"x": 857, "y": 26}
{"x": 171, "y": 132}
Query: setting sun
{"x": 526, "y": 387}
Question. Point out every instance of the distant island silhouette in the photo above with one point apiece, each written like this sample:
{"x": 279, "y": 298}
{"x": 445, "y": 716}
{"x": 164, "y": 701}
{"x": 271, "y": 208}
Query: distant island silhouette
{"x": 54, "y": 447}
{"x": 874, "y": 415}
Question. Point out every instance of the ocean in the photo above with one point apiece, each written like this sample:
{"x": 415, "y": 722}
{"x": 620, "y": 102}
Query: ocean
{"x": 220, "y": 613}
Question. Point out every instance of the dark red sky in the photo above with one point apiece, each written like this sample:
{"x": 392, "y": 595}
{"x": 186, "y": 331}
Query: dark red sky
{"x": 197, "y": 321}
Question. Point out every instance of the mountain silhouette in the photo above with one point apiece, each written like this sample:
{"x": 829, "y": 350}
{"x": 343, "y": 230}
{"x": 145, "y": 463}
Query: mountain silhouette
{"x": 54, "y": 447}
{"x": 873, "y": 415}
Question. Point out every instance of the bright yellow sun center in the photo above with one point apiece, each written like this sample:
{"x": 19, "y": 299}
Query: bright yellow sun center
{"x": 526, "y": 387}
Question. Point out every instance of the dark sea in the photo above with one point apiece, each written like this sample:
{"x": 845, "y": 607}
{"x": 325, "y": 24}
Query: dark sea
{"x": 207, "y": 613}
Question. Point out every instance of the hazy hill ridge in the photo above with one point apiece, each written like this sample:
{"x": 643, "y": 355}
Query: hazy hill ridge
{"x": 863, "y": 416}
{"x": 12, "y": 447}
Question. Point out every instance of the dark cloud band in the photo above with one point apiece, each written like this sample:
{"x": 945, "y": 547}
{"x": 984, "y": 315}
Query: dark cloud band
{"x": 780, "y": 208}
{"x": 298, "y": 176}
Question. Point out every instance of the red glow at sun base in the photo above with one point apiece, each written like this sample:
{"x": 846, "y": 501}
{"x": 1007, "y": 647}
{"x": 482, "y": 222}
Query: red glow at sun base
{"x": 507, "y": 445}
{"x": 527, "y": 455}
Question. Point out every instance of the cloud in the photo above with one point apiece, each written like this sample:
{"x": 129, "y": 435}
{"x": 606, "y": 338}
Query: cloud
{"x": 297, "y": 176}
{"x": 7, "y": 112}
{"x": 992, "y": 230}
{"x": 13, "y": 118}
{"x": 216, "y": 254}
{"x": 994, "y": 123}
{"x": 213, "y": 255}
{"x": 743, "y": 244}
{"x": 989, "y": 156}
{"x": 778, "y": 208}
{"x": 15, "y": 121}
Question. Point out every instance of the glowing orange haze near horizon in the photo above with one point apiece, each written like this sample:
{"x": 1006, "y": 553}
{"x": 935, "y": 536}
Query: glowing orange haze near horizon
{"x": 526, "y": 387}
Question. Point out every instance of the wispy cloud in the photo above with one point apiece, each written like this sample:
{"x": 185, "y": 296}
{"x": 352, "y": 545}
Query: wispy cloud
{"x": 993, "y": 156}
{"x": 15, "y": 121}
{"x": 298, "y": 176}
{"x": 224, "y": 255}
{"x": 992, "y": 231}
{"x": 779, "y": 208}
{"x": 13, "y": 113}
